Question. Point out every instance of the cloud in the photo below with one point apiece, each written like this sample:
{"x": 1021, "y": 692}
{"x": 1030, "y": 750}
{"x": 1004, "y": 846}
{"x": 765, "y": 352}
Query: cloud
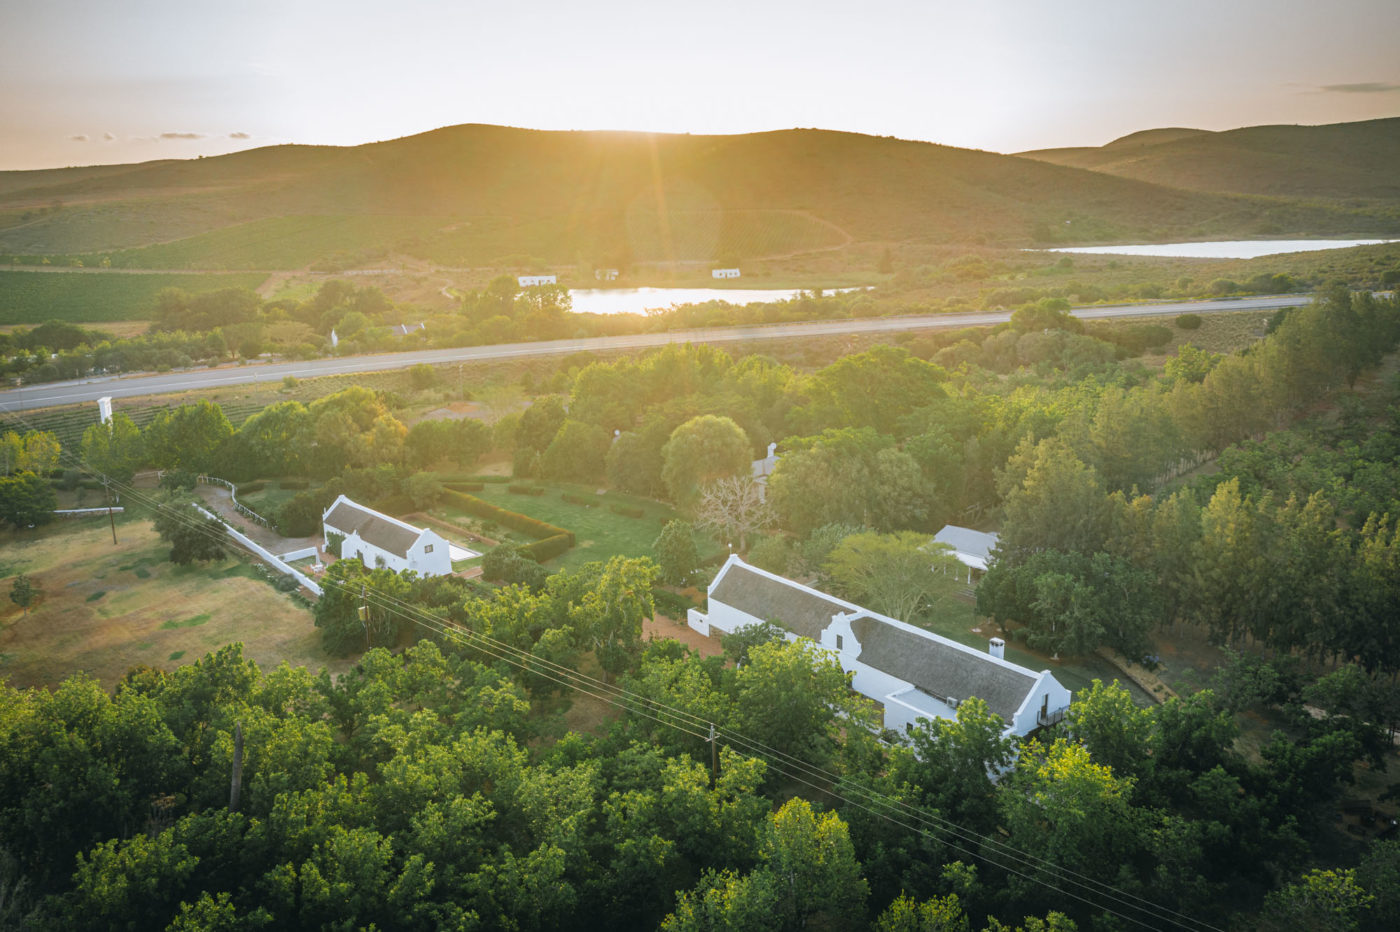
{"x": 108, "y": 137}
{"x": 79, "y": 138}
{"x": 181, "y": 135}
{"x": 240, "y": 136}
{"x": 1367, "y": 87}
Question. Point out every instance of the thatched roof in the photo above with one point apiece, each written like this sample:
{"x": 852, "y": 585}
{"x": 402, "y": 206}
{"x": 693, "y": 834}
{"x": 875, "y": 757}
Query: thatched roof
{"x": 804, "y": 612}
{"x": 942, "y": 668}
{"x": 388, "y": 534}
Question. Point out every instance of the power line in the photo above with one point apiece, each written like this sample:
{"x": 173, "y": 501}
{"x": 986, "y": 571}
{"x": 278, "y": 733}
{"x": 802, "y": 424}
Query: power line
{"x": 895, "y": 811}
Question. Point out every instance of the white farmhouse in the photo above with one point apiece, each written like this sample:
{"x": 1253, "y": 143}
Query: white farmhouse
{"x": 379, "y": 540}
{"x": 913, "y": 674}
{"x": 972, "y": 548}
{"x": 724, "y": 273}
{"x": 530, "y": 281}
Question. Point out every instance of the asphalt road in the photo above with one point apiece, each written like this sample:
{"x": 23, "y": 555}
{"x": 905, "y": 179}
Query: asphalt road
{"x": 53, "y": 394}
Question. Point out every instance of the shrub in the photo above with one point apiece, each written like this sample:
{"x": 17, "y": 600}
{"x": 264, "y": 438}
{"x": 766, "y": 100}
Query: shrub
{"x": 671, "y": 604}
{"x": 293, "y": 484}
{"x": 627, "y": 511}
{"x": 1188, "y": 321}
{"x": 463, "y": 486}
{"x": 519, "y": 489}
{"x": 509, "y": 565}
{"x": 549, "y": 547}
{"x": 577, "y": 500}
{"x": 249, "y": 487}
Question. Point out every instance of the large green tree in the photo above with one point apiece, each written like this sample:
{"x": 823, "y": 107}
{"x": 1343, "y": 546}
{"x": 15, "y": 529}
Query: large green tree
{"x": 901, "y": 575}
{"x": 700, "y": 450}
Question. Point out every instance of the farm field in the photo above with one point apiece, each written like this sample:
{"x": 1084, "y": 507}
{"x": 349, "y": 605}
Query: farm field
{"x": 600, "y": 532}
{"x": 105, "y": 609}
{"x": 97, "y": 297}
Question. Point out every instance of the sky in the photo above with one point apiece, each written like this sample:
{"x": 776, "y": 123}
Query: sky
{"x": 97, "y": 81}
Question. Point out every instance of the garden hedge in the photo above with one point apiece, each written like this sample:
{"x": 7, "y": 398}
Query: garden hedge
{"x": 553, "y": 540}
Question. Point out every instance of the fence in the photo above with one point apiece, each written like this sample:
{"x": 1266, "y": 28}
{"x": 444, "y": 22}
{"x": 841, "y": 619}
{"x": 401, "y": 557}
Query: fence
{"x": 242, "y": 509}
{"x": 85, "y": 512}
{"x": 271, "y": 559}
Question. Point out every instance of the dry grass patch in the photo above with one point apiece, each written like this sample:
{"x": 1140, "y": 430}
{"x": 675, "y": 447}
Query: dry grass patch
{"x": 108, "y": 608}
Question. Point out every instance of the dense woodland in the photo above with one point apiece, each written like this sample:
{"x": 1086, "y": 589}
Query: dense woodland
{"x": 438, "y": 787}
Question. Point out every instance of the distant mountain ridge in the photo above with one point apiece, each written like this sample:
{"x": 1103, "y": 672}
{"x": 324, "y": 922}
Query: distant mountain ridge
{"x": 1340, "y": 161}
{"x": 470, "y": 194}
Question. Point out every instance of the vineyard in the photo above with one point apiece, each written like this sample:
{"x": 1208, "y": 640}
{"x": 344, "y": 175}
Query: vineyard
{"x": 284, "y": 243}
{"x": 96, "y": 297}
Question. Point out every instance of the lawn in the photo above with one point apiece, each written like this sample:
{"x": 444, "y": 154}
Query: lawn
{"x": 108, "y": 608}
{"x": 600, "y": 532}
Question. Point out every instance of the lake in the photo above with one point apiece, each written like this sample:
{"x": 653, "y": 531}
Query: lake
{"x": 641, "y": 300}
{"x": 1226, "y": 249}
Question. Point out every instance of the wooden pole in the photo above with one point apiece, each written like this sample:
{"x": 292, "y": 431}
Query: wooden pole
{"x": 110, "y": 518}
{"x": 714, "y": 756}
{"x": 236, "y": 788}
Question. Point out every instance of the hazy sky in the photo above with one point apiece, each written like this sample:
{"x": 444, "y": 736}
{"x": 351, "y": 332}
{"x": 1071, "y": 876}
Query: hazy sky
{"x": 98, "y": 81}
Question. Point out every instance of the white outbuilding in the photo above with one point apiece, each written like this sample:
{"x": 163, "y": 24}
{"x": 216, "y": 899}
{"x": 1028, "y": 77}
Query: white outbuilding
{"x": 381, "y": 541}
{"x": 530, "y": 281}
{"x": 910, "y": 672}
{"x": 724, "y": 273}
{"x": 972, "y": 548}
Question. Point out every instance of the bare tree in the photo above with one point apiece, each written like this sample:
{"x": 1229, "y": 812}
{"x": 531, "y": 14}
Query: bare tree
{"x": 733, "y": 506}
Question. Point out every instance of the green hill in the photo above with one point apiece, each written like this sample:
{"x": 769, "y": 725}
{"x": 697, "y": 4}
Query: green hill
{"x": 471, "y": 195}
{"x": 1340, "y": 161}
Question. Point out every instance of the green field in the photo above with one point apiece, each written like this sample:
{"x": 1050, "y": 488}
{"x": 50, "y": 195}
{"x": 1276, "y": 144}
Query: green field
{"x": 95, "y": 297}
{"x": 600, "y": 533}
{"x": 283, "y": 243}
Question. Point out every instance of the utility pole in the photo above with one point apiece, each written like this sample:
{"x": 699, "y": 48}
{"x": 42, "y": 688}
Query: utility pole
{"x": 714, "y": 756}
{"x": 236, "y": 788}
{"x": 106, "y": 484}
{"x": 364, "y": 613}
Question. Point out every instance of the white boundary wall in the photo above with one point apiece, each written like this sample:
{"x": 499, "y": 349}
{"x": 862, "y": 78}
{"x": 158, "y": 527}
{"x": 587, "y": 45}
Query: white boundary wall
{"x": 271, "y": 559}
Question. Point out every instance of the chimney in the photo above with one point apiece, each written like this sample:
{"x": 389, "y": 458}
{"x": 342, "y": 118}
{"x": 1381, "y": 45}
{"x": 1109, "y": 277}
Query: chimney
{"x": 997, "y": 648}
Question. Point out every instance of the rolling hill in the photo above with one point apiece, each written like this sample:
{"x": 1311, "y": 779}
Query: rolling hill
{"x": 1340, "y": 161}
{"x": 475, "y": 195}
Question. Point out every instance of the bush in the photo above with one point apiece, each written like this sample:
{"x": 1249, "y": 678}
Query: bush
{"x": 463, "y": 486}
{"x": 627, "y": 511}
{"x": 511, "y": 565}
{"x": 249, "y": 487}
{"x": 1188, "y": 321}
{"x": 293, "y": 484}
{"x": 671, "y": 604}
{"x": 577, "y": 500}
{"x": 519, "y": 489}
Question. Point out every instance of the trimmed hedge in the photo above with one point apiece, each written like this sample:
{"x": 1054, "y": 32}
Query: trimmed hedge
{"x": 550, "y": 547}
{"x": 463, "y": 486}
{"x": 249, "y": 487}
{"x": 572, "y": 499}
{"x": 627, "y": 511}
{"x": 525, "y": 489}
{"x": 292, "y": 485}
{"x": 544, "y": 548}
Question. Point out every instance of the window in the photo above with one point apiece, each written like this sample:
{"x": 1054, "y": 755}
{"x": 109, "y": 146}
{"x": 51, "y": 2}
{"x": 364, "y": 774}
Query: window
{"x": 838, "y": 642}
{"x": 908, "y": 728}
{"x": 428, "y": 548}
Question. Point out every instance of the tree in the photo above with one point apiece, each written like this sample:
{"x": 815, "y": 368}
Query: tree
{"x": 24, "y": 592}
{"x": 576, "y": 453}
{"x": 188, "y": 437}
{"x": 1321, "y": 901}
{"x": 26, "y": 500}
{"x": 1050, "y": 500}
{"x": 358, "y": 607}
{"x": 114, "y": 449}
{"x": 955, "y": 761}
{"x": 192, "y": 535}
{"x": 899, "y": 575}
{"x": 703, "y": 449}
{"x": 675, "y": 552}
{"x": 733, "y": 507}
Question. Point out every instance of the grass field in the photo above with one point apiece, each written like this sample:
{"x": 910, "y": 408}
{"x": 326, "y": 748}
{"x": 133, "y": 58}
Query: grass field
{"x": 95, "y": 297}
{"x": 600, "y": 533}
{"x": 107, "y": 608}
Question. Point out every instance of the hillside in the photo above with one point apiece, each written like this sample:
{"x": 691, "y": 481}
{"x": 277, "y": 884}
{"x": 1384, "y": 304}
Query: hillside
{"x": 1351, "y": 161}
{"x": 476, "y": 195}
